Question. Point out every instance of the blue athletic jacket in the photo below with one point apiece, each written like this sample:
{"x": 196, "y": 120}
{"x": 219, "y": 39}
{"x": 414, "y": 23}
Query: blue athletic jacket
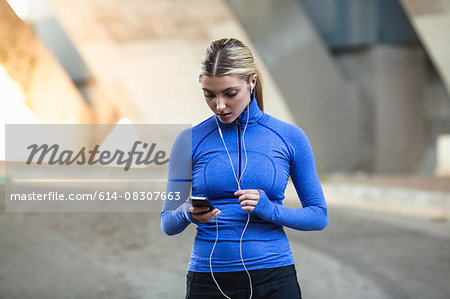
{"x": 275, "y": 151}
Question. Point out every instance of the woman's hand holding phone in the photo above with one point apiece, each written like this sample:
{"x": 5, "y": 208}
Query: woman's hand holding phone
{"x": 201, "y": 214}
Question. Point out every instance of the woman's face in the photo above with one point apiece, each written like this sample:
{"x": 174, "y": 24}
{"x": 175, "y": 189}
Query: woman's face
{"x": 227, "y": 96}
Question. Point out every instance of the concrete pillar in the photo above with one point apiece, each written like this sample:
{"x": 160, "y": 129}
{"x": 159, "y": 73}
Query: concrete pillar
{"x": 324, "y": 103}
{"x": 443, "y": 156}
{"x": 431, "y": 20}
{"x": 398, "y": 86}
{"x": 47, "y": 89}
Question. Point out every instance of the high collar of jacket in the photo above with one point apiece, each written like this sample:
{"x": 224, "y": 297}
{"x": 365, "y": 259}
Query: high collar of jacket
{"x": 253, "y": 112}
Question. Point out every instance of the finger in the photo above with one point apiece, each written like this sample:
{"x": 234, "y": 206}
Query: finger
{"x": 202, "y": 217}
{"x": 207, "y": 213}
{"x": 248, "y": 208}
{"x": 200, "y": 209}
{"x": 253, "y": 191}
{"x": 193, "y": 209}
{"x": 215, "y": 213}
{"x": 209, "y": 216}
{"x": 248, "y": 196}
{"x": 246, "y": 191}
{"x": 242, "y": 191}
{"x": 249, "y": 203}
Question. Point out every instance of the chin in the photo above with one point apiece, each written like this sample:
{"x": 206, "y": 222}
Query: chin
{"x": 227, "y": 121}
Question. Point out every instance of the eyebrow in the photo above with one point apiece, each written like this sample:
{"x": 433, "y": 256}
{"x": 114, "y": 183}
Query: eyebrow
{"x": 233, "y": 87}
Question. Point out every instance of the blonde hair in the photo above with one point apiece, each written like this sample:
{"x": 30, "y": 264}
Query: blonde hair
{"x": 229, "y": 56}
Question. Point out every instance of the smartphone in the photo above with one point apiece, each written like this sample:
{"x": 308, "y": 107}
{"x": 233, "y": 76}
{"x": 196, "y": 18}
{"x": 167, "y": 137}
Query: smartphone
{"x": 201, "y": 201}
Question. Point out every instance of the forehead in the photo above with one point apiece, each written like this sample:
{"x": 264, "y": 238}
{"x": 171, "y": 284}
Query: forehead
{"x": 219, "y": 83}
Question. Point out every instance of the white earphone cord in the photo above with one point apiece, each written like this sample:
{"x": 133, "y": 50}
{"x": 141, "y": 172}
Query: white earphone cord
{"x": 238, "y": 181}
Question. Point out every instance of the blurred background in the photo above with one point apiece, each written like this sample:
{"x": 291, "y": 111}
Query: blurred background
{"x": 367, "y": 80}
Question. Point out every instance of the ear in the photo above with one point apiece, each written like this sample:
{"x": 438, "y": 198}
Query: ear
{"x": 254, "y": 79}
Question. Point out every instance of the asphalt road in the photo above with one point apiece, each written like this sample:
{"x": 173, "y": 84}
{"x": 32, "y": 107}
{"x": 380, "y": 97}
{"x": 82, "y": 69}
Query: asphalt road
{"x": 361, "y": 254}
{"x": 367, "y": 254}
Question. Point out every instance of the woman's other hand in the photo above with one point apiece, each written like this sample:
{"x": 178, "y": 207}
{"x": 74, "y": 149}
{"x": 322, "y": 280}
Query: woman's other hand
{"x": 201, "y": 215}
{"x": 248, "y": 198}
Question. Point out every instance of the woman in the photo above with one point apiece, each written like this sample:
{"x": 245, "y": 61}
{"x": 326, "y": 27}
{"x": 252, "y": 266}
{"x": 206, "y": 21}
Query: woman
{"x": 241, "y": 160}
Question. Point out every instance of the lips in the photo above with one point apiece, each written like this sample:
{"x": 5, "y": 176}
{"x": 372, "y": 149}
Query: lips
{"x": 224, "y": 114}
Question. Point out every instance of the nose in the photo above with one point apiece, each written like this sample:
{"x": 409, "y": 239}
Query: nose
{"x": 220, "y": 104}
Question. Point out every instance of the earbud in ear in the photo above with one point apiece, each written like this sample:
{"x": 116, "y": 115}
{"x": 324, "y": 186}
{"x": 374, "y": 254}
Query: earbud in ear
{"x": 252, "y": 86}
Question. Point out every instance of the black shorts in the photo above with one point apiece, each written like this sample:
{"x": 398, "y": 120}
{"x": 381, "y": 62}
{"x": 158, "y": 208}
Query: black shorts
{"x": 271, "y": 283}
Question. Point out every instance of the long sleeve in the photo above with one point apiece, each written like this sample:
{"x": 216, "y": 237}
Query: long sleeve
{"x": 314, "y": 213}
{"x": 175, "y": 216}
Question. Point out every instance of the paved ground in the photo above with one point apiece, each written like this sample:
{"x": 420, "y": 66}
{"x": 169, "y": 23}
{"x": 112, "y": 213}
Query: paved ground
{"x": 416, "y": 182}
{"x": 361, "y": 254}
{"x": 418, "y": 195}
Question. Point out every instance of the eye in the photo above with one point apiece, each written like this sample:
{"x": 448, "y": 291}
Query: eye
{"x": 232, "y": 95}
{"x": 209, "y": 95}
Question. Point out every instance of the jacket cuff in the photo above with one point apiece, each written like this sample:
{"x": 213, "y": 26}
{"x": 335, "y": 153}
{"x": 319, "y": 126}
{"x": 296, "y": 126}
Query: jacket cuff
{"x": 185, "y": 209}
{"x": 264, "y": 208}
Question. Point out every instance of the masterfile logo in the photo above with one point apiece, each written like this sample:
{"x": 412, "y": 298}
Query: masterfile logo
{"x": 68, "y": 157}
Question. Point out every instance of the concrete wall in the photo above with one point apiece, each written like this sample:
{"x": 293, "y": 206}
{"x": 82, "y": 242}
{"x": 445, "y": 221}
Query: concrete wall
{"x": 362, "y": 109}
{"x": 431, "y": 20}
{"x": 324, "y": 103}
{"x": 146, "y": 54}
